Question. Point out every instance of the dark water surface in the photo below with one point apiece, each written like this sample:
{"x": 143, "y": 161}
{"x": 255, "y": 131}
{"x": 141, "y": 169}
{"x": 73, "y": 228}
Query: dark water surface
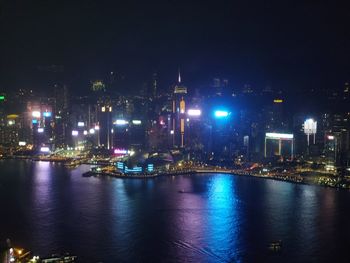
{"x": 220, "y": 218}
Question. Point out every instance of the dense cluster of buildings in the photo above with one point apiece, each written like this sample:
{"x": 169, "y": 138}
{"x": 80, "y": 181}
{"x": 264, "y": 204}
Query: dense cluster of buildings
{"x": 213, "y": 124}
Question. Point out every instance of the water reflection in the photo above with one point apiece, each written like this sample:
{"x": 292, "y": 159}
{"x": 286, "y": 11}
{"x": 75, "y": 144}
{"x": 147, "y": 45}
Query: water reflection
{"x": 218, "y": 218}
{"x": 223, "y": 219}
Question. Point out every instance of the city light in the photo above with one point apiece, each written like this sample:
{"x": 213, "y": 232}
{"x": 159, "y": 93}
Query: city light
{"x": 310, "y": 126}
{"x": 40, "y": 130}
{"x": 2, "y": 97}
{"x": 121, "y": 122}
{"x": 97, "y": 127}
{"x": 120, "y": 151}
{"x": 136, "y": 169}
{"x": 47, "y": 114}
{"x": 11, "y": 122}
{"x": 172, "y": 132}
{"x": 92, "y": 131}
{"x": 221, "y": 113}
{"x": 273, "y": 135}
{"x": 330, "y": 137}
{"x": 194, "y": 112}
{"x": 120, "y": 165}
{"x": 277, "y": 101}
{"x": 75, "y": 133}
{"x": 136, "y": 122}
{"x": 34, "y": 121}
{"x": 85, "y": 132}
{"x": 45, "y": 149}
{"x": 22, "y": 143}
{"x": 150, "y": 167}
{"x": 81, "y": 124}
{"x": 36, "y": 114}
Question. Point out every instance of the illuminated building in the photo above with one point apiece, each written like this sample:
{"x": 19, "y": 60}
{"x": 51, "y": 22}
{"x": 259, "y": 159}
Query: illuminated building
{"x": 337, "y": 146}
{"x": 61, "y": 116}
{"x": 346, "y": 91}
{"x": 279, "y": 144}
{"x": 11, "y": 130}
{"x": 310, "y": 128}
{"x": 105, "y": 123}
{"x": 179, "y": 114}
{"x": 98, "y": 86}
{"x": 220, "y": 86}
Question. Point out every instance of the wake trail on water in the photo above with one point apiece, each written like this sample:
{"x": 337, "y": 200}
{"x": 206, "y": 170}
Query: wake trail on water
{"x": 198, "y": 250}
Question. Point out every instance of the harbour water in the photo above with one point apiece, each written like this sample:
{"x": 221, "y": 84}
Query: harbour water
{"x": 48, "y": 208}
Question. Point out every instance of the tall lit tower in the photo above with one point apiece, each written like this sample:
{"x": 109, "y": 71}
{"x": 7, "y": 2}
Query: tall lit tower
{"x": 178, "y": 114}
{"x": 154, "y": 85}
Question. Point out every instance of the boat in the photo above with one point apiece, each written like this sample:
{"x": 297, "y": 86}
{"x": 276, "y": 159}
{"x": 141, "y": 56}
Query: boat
{"x": 275, "y": 245}
{"x": 72, "y": 164}
{"x": 88, "y": 174}
{"x": 57, "y": 258}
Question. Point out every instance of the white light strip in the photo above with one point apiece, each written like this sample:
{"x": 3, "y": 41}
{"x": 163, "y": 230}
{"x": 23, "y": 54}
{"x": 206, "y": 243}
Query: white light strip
{"x": 273, "y": 135}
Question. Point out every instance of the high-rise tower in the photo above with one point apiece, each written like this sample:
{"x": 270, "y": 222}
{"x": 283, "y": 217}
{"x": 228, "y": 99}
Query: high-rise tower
{"x": 178, "y": 114}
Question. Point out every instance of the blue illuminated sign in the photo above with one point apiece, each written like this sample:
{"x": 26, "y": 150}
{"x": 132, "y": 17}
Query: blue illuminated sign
{"x": 34, "y": 121}
{"x": 120, "y": 165}
{"x": 221, "y": 114}
{"x": 150, "y": 167}
{"x": 47, "y": 114}
{"x": 135, "y": 169}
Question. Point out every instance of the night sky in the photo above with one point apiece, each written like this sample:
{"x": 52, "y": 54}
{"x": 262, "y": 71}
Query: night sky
{"x": 285, "y": 44}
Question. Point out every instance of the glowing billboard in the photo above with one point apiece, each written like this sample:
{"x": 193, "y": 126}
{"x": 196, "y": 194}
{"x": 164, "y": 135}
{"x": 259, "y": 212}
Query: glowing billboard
{"x": 36, "y": 114}
{"x": 45, "y": 149}
{"x": 330, "y": 137}
{"x": 310, "y": 126}
{"x": 81, "y": 124}
{"x": 277, "y": 136}
{"x": 40, "y": 130}
{"x": 121, "y": 122}
{"x": 47, "y": 114}
{"x": 277, "y": 100}
{"x": 136, "y": 122}
{"x": 194, "y": 112}
{"x": 221, "y": 113}
{"x": 75, "y": 133}
{"x": 120, "y": 151}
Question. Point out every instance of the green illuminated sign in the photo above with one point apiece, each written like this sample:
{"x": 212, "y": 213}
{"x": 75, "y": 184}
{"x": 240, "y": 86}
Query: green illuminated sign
{"x": 2, "y": 97}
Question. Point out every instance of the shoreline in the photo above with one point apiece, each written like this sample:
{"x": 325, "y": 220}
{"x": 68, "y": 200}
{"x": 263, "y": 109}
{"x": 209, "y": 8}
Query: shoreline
{"x": 185, "y": 172}
{"x": 232, "y": 173}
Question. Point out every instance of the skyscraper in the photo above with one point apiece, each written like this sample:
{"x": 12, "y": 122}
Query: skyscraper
{"x": 178, "y": 114}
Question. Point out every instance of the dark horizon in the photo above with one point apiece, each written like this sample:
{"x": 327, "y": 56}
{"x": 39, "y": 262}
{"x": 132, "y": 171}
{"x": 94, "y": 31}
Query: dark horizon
{"x": 289, "y": 46}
